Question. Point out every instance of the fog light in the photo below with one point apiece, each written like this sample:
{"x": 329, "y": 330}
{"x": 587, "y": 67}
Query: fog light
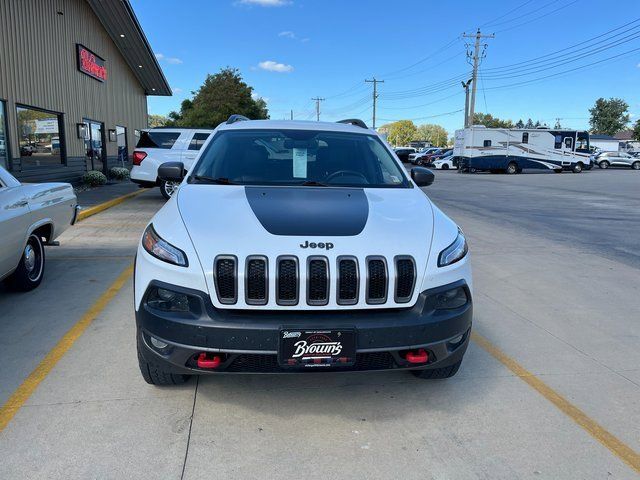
{"x": 454, "y": 298}
{"x": 159, "y": 344}
{"x": 457, "y": 340}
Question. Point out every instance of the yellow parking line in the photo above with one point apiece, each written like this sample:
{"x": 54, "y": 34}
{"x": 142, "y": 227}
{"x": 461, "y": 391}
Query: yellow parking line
{"x": 26, "y": 389}
{"x": 593, "y": 428}
{"x": 103, "y": 206}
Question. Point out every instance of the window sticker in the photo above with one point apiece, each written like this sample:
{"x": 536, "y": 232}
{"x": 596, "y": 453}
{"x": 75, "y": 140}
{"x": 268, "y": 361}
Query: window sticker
{"x": 300, "y": 163}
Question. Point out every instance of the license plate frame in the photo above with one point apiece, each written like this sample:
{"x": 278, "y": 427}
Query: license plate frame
{"x": 322, "y": 348}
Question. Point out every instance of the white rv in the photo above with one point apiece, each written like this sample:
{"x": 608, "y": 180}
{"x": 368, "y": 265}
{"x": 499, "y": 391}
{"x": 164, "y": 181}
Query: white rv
{"x": 512, "y": 150}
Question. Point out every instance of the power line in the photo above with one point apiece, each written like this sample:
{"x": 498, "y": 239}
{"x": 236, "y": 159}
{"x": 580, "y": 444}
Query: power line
{"x": 538, "y": 18}
{"x": 508, "y": 13}
{"x": 423, "y": 118}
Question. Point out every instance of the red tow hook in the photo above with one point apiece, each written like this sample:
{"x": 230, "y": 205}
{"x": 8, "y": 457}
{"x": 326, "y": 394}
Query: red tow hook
{"x": 417, "y": 356}
{"x": 209, "y": 360}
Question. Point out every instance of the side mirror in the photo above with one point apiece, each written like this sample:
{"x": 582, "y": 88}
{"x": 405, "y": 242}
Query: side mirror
{"x": 422, "y": 176}
{"x": 171, "y": 171}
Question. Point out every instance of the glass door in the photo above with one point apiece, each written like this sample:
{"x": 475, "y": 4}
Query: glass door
{"x": 94, "y": 145}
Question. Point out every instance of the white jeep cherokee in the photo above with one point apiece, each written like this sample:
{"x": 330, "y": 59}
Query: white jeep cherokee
{"x": 300, "y": 246}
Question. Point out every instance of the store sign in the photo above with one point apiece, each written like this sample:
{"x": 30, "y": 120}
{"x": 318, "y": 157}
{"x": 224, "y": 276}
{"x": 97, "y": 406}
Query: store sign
{"x": 49, "y": 125}
{"x": 91, "y": 64}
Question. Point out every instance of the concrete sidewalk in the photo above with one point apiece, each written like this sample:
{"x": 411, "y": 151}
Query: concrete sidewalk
{"x": 98, "y": 195}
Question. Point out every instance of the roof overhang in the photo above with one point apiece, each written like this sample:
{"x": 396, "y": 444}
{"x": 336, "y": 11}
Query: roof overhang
{"x": 121, "y": 24}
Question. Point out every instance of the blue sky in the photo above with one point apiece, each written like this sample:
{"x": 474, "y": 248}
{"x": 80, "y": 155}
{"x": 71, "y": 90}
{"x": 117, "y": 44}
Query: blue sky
{"x": 293, "y": 50}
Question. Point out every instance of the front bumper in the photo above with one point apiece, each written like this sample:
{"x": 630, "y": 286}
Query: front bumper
{"x": 248, "y": 340}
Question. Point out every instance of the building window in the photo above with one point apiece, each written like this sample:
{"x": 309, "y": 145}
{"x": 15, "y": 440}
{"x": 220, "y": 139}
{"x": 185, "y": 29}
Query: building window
{"x": 123, "y": 151}
{"x": 40, "y": 137}
{"x": 198, "y": 140}
{"x": 525, "y": 137}
{"x": 487, "y": 143}
{"x": 155, "y": 139}
{"x": 4, "y": 140}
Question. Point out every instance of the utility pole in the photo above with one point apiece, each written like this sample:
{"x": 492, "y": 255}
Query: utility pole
{"x": 466, "y": 101}
{"x": 318, "y": 100}
{"x": 292, "y": 114}
{"x": 476, "y": 59}
{"x": 375, "y": 97}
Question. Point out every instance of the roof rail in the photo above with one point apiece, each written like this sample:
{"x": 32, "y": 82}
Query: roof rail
{"x": 236, "y": 118}
{"x": 354, "y": 121}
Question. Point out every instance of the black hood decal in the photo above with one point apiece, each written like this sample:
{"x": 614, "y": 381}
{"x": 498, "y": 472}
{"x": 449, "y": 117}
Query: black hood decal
{"x": 309, "y": 211}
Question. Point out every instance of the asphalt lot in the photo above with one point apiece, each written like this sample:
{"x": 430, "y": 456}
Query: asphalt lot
{"x": 556, "y": 290}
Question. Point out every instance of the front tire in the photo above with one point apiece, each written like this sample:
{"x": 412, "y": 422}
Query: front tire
{"x": 438, "y": 373}
{"x": 604, "y": 164}
{"x": 168, "y": 188}
{"x": 30, "y": 270}
{"x": 635, "y": 165}
{"x": 153, "y": 373}
{"x": 577, "y": 168}
{"x": 445, "y": 166}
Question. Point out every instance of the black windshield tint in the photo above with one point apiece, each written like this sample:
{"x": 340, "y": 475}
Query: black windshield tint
{"x": 300, "y": 157}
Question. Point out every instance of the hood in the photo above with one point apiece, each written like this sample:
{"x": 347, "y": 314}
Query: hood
{"x": 274, "y": 221}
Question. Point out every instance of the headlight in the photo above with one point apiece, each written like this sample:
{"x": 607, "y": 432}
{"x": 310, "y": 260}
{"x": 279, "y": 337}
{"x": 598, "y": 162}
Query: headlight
{"x": 161, "y": 249}
{"x": 454, "y": 252}
{"x": 168, "y": 301}
{"x": 454, "y": 298}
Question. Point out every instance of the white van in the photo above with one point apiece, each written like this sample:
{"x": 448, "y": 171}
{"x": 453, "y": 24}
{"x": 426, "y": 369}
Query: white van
{"x": 159, "y": 145}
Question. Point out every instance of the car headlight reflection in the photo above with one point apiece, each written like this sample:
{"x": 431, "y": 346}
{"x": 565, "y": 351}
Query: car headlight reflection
{"x": 161, "y": 249}
{"x": 454, "y": 252}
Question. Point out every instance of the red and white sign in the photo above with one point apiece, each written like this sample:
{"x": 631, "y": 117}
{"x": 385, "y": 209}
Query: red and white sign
{"x": 91, "y": 64}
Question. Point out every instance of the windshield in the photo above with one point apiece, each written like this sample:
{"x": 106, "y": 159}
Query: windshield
{"x": 298, "y": 157}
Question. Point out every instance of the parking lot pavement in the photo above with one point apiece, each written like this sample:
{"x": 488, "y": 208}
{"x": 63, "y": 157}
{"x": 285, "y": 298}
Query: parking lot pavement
{"x": 568, "y": 315}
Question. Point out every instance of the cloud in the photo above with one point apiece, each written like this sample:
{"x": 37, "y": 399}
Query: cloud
{"x": 272, "y": 66}
{"x": 176, "y": 90}
{"x": 266, "y": 3}
{"x": 172, "y": 60}
{"x": 292, "y": 35}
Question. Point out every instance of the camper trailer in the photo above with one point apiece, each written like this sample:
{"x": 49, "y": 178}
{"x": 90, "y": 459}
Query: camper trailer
{"x": 496, "y": 150}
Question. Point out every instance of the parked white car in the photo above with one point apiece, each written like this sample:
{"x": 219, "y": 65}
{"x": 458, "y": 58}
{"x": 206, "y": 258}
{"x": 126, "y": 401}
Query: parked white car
{"x": 31, "y": 216}
{"x": 159, "y": 145}
{"x": 300, "y": 246}
{"x": 444, "y": 163}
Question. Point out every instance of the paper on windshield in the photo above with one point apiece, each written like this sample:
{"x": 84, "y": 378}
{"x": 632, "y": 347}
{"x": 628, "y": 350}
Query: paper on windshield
{"x": 299, "y": 163}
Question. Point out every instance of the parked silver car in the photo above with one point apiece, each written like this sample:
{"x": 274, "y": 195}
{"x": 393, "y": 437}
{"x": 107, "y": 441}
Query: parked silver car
{"x": 32, "y": 215}
{"x": 616, "y": 159}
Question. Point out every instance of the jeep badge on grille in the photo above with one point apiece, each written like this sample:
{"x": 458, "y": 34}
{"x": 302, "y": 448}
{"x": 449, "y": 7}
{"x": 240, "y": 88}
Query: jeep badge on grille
{"x": 307, "y": 244}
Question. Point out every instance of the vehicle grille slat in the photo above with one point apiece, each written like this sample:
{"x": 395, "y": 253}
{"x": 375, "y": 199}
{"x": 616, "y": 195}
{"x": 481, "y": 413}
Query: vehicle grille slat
{"x": 317, "y": 281}
{"x": 287, "y": 279}
{"x": 225, "y": 274}
{"x": 405, "y": 278}
{"x": 256, "y": 280}
{"x": 348, "y": 281}
{"x": 377, "y": 280}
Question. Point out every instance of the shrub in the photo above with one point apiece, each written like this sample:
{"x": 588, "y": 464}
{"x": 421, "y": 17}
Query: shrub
{"x": 119, "y": 173}
{"x": 93, "y": 178}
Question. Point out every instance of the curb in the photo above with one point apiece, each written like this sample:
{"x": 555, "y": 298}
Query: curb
{"x": 86, "y": 213}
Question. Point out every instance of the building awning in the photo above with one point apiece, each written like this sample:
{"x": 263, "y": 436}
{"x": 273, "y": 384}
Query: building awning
{"x": 121, "y": 24}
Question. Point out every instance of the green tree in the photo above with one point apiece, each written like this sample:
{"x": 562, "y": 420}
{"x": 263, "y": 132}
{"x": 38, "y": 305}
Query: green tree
{"x": 608, "y": 117}
{"x": 529, "y": 123}
{"x": 220, "y": 96}
{"x": 520, "y": 124}
{"x": 490, "y": 121}
{"x": 435, "y": 134}
{"x": 401, "y": 132}
{"x": 636, "y": 130}
{"x": 154, "y": 120}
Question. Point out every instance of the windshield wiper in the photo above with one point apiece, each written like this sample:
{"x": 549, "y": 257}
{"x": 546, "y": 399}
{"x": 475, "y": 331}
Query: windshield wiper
{"x": 217, "y": 181}
{"x": 313, "y": 183}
